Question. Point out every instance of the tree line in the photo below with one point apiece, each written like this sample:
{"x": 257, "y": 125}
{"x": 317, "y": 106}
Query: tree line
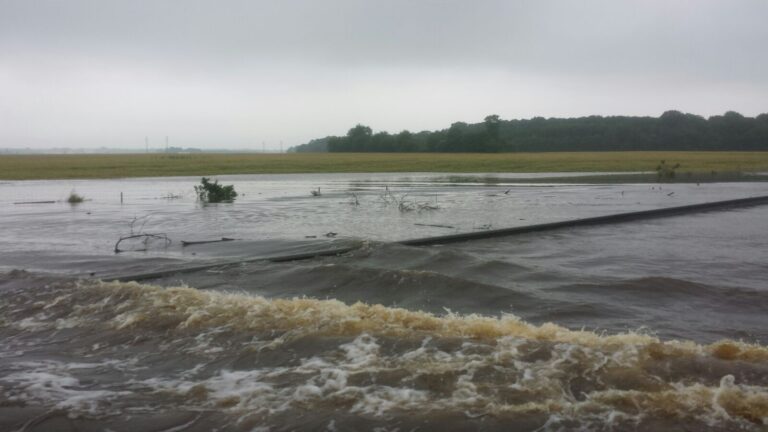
{"x": 673, "y": 130}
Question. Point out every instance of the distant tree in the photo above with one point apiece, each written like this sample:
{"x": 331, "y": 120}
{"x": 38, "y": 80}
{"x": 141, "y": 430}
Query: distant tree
{"x": 359, "y": 138}
{"x": 454, "y": 138}
{"x": 315, "y": 145}
{"x": 673, "y": 130}
{"x": 681, "y": 131}
{"x": 492, "y": 126}
{"x": 404, "y": 142}
{"x": 381, "y": 142}
{"x": 435, "y": 141}
{"x": 757, "y": 136}
{"x": 492, "y": 123}
{"x": 731, "y": 129}
{"x": 337, "y": 144}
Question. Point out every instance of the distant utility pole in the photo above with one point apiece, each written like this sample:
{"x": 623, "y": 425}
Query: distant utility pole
{"x": 146, "y": 143}
{"x": 281, "y": 146}
{"x": 166, "y": 143}
{"x": 263, "y": 147}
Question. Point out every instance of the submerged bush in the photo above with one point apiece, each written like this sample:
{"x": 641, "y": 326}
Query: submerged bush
{"x": 74, "y": 198}
{"x": 214, "y": 192}
{"x": 666, "y": 172}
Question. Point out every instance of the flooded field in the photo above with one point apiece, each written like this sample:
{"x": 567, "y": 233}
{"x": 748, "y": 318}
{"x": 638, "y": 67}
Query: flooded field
{"x": 649, "y": 325}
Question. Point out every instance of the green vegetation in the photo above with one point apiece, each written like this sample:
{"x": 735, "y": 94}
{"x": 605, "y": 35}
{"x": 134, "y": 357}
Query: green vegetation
{"x": 672, "y": 131}
{"x": 75, "y": 198}
{"x": 214, "y": 192}
{"x": 28, "y": 167}
{"x": 665, "y": 172}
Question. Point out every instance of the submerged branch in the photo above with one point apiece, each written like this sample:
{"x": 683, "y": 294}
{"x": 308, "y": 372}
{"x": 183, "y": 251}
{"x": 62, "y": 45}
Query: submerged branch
{"x": 145, "y": 240}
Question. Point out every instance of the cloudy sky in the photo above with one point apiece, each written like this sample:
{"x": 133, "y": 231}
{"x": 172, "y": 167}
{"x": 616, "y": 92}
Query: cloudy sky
{"x": 236, "y": 74}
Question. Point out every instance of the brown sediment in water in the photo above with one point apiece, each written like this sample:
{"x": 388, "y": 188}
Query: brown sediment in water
{"x": 183, "y": 307}
{"x": 375, "y": 362}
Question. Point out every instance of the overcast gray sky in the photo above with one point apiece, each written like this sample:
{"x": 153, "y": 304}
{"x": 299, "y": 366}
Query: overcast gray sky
{"x": 234, "y": 74}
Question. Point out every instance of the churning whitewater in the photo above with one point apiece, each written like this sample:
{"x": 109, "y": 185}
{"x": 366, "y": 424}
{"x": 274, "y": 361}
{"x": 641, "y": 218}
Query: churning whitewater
{"x": 97, "y": 355}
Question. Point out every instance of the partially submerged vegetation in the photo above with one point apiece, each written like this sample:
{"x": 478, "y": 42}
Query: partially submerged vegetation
{"x": 666, "y": 172}
{"x": 138, "y": 240}
{"x": 404, "y": 204}
{"x": 74, "y": 198}
{"x": 213, "y": 192}
{"x": 29, "y": 167}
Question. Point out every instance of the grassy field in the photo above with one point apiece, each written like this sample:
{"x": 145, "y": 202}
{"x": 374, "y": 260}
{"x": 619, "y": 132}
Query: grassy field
{"x": 28, "y": 167}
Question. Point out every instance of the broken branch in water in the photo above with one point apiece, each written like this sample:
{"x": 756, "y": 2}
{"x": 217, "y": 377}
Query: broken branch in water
{"x": 434, "y": 225}
{"x": 427, "y": 206}
{"x": 405, "y": 205}
{"x": 190, "y": 243}
{"x": 353, "y": 199}
{"x": 145, "y": 239}
{"x": 136, "y": 219}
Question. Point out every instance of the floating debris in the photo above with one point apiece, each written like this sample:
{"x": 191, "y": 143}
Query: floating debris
{"x": 35, "y": 202}
{"x": 434, "y": 225}
{"x": 144, "y": 240}
{"x": 190, "y": 243}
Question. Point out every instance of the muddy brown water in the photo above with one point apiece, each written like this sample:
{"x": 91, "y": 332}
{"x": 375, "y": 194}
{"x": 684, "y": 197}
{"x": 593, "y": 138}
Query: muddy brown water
{"x": 649, "y": 325}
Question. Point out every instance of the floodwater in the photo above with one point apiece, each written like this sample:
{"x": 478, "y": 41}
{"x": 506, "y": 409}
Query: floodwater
{"x": 646, "y": 325}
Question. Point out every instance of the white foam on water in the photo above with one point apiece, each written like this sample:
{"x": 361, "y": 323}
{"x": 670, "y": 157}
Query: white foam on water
{"x": 60, "y": 390}
{"x": 379, "y": 400}
{"x": 464, "y": 364}
{"x": 361, "y": 352}
{"x": 37, "y": 322}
